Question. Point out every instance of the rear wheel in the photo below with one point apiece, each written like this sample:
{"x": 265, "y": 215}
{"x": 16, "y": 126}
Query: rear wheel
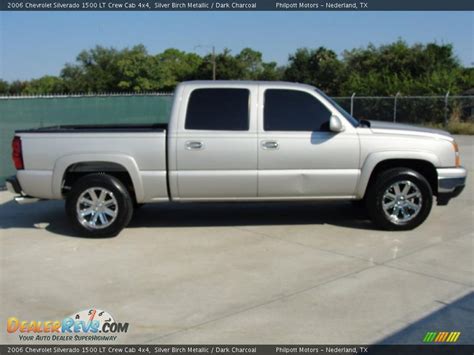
{"x": 99, "y": 205}
{"x": 400, "y": 199}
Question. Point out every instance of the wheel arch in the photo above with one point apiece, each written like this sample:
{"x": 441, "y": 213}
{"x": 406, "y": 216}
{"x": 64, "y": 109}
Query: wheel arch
{"x": 68, "y": 169}
{"x": 423, "y": 163}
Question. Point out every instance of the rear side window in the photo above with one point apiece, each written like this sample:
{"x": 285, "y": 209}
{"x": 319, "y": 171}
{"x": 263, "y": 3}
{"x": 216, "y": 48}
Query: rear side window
{"x": 218, "y": 109}
{"x": 291, "y": 110}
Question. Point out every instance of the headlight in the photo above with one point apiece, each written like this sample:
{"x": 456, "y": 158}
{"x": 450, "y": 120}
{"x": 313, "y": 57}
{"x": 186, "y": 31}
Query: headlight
{"x": 457, "y": 157}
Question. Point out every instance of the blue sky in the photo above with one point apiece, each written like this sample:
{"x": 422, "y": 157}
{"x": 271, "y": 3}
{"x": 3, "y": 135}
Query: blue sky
{"x": 33, "y": 44}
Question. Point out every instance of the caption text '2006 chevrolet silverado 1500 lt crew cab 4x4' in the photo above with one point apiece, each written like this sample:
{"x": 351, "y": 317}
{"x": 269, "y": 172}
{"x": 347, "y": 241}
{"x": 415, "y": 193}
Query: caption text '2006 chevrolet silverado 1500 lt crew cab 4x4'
{"x": 239, "y": 141}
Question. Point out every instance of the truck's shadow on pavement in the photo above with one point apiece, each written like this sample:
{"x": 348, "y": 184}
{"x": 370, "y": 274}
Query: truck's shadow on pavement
{"x": 50, "y": 215}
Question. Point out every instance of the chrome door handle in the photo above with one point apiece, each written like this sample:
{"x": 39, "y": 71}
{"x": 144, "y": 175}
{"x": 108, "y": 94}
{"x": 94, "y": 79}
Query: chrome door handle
{"x": 194, "y": 145}
{"x": 270, "y": 145}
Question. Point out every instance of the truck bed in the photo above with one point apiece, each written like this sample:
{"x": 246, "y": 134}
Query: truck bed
{"x": 156, "y": 127}
{"x": 49, "y": 152}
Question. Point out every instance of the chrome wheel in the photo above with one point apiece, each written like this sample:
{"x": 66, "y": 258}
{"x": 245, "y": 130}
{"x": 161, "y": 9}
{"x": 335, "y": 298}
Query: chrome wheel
{"x": 402, "y": 201}
{"x": 96, "y": 208}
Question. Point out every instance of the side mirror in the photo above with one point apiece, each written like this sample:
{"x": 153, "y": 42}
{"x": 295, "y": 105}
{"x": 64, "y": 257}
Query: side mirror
{"x": 335, "y": 124}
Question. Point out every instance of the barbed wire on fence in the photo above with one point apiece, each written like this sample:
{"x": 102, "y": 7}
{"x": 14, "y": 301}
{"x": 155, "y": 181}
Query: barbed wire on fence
{"x": 94, "y": 94}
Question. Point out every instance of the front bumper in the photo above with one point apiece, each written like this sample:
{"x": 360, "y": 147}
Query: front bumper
{"x": 451, "y": 182}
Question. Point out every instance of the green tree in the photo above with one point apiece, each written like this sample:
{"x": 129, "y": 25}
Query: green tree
{"x": 17, "y": 87}
{"x": 319, "y": 67}
{"x": 248, "y": 64}
{"x": 227, "y": 67}
{"x": 96, "y": 70}
{"x": 397, "y": 67}
{"x": 254, "y": 68}
{"x": 173, "y": 66}
{"x": 74, "y": 79}
{"x": 419, "y": 69}
{"x": 4, "y": 87}
{"x": 136, "y": 70}
{"x": 271, "y": 71}
{"x": 47, "y": 84}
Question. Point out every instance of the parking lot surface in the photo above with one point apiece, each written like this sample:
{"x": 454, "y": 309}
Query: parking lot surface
{"x": 246, "y": 273}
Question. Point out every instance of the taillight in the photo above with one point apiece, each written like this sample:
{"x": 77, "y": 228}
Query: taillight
{"x": 17, "y": 154}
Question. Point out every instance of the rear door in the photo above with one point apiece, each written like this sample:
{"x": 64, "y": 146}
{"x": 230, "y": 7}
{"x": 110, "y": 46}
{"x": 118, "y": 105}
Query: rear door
{"x": 217, "y": 143}
{"x": 299, "y": 157}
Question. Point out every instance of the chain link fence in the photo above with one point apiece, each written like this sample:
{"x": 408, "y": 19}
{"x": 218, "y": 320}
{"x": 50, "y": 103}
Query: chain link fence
{"x": 410, "y": 109}
{"x": 20, "y": 112}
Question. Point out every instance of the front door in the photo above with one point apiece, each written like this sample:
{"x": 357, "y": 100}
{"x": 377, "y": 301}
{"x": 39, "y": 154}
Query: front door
{"x": 299, "y": 157}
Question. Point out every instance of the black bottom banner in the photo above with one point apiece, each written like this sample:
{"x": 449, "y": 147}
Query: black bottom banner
{"x": 237, "y": 349}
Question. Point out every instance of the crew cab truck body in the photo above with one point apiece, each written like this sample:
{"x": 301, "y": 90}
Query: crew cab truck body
{"x": 239, "y": 141}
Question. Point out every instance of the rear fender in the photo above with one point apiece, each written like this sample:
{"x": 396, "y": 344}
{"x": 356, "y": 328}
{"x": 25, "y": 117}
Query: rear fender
{"x": 127, "y": 162}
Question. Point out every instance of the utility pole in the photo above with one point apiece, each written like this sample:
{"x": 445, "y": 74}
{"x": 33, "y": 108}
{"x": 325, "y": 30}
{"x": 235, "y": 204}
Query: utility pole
{"x": 213, "y": 58}
{"x": 213, "y": 63}
{"x": 352, "y": 103}
{"x": 395, "y": 107}
{"x": 446, "y": 109}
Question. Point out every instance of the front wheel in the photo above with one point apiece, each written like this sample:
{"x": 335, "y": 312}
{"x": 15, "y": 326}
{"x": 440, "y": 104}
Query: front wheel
{"x": 99, "y": 205}
{"x": 400, "y": 199}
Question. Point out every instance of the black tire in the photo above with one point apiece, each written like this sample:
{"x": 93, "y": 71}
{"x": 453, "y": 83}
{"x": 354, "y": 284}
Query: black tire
{"x": 119, "y": 197}
{"x": 381, "y": 184}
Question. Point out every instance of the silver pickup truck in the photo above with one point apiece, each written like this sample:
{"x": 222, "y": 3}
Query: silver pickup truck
{"x": 239, "y": 141}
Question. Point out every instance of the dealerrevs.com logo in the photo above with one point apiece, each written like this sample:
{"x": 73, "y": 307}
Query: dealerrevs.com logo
{"x": 88, "y": 325}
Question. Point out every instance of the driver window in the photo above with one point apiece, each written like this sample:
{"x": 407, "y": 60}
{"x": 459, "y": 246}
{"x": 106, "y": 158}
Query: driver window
{"x": 293, "y": 110}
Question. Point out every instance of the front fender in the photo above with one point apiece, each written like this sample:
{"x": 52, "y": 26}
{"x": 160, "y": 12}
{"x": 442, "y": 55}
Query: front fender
{"x": 375, "y": 158}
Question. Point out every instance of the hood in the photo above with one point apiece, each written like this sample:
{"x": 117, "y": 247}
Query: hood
{"x": 382, "y": 127}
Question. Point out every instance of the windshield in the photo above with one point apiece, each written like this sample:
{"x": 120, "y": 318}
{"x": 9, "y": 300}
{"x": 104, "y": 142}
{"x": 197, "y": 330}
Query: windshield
{"x": 354, "y": 121}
